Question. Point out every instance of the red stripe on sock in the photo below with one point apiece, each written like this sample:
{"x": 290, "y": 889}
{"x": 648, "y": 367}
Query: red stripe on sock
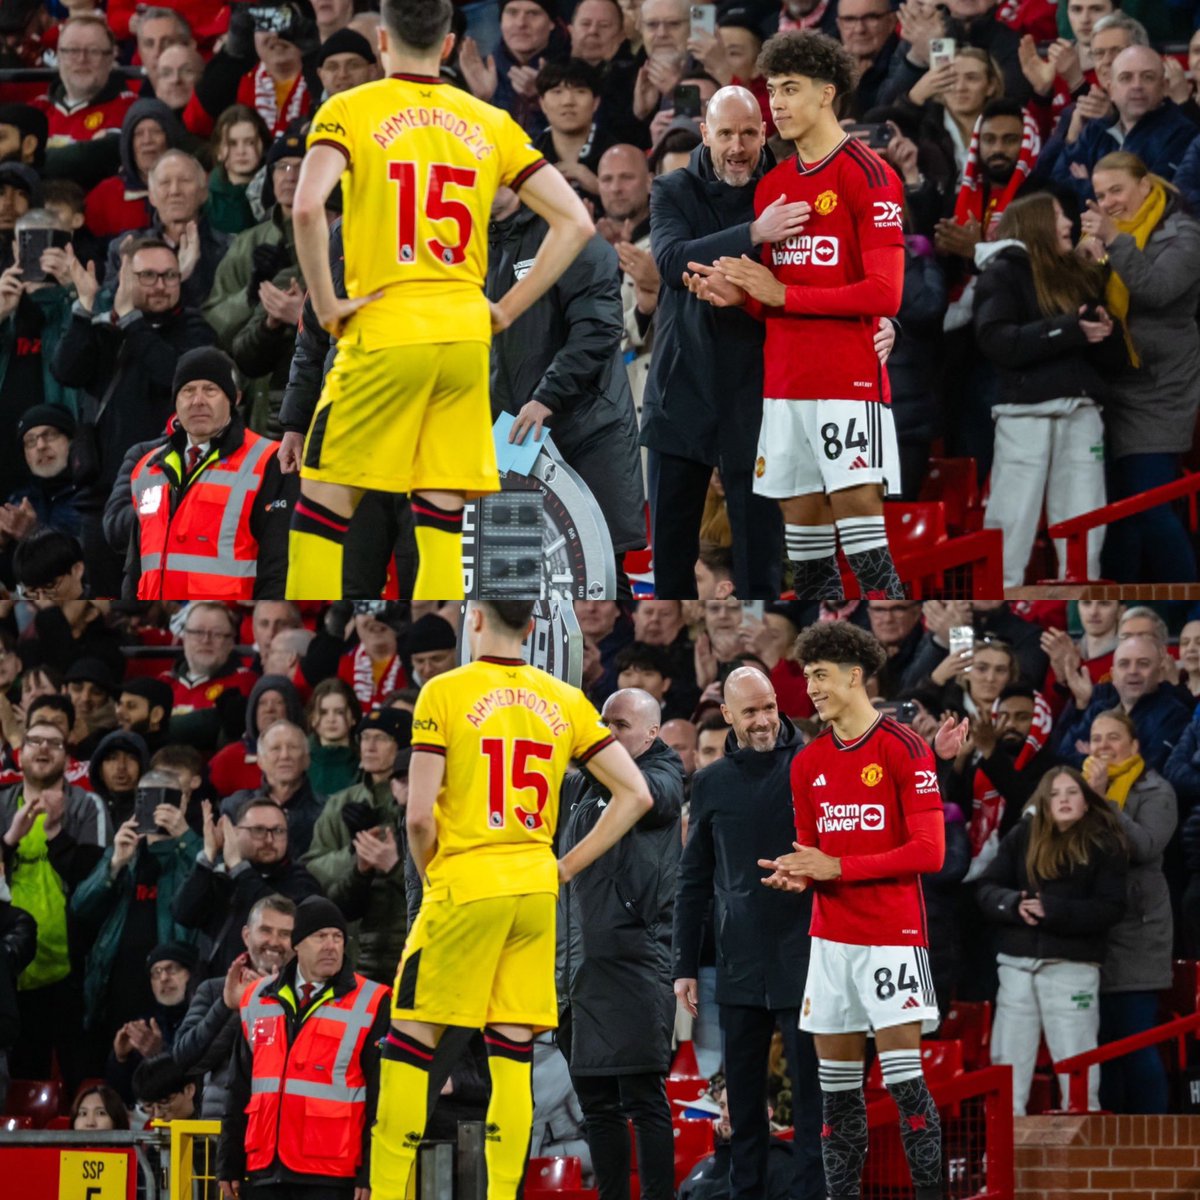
{"x": 303, "y": 510}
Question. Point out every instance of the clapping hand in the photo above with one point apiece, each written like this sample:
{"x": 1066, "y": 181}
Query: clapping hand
{"x": 707, "y": 283}
{"x": 754, "y": 279}
{"x": 1098, "y": 224}
{"x": 951, "y": 736}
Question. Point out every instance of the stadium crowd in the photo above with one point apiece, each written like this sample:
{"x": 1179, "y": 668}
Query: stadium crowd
{"x": 181, "y": 789}
{"x": 1050, "y": 160}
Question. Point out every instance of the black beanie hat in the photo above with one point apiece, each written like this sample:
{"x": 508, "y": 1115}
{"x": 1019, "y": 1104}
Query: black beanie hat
{"x": 209, "y": 364}
{"x": 395, "y": 722}
{"x": 346, "y": 41}
{"x": 156, "y": 692}
{"x": 53, "y": 415}
{"x": 179, "y": 952}
{"x": 431, "y": 632}
{"x": 550, "y": 7}
{"x": 316, "y": 913}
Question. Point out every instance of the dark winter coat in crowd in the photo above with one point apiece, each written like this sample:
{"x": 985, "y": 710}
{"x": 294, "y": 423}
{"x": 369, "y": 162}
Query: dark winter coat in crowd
{"x": 703, "y": 398}
{"x": 54, "y": 641}
{"x": 1182, "y": 768}
{"x": 891, "y": 680}
{"x": 135, "y": 357}
{"x": 741, "y": 811}
{"x": 1160, "y": 139}
{"x": 1160, "y": 718}
{"x": 1081, "y": 906}
{"x": 1139, "y": 945}
{"x": 168, "y": 1017}
{"x": 205, "y": 1041}
{"x": 377, "y": 904}
{"x": 526, "y": 110}
{"x": 120, "y": 804}
{"x": 18, "y": 945}
{"x": 565, "y": 352}
{"x": 58, "y": 501}
{"x": 912, "y": 367}
{"x": 1037, "y": 357}
{"x": 615, "y": 921}
{"x": 1024, "y": 637}
{"x": 218, "y": 903}
{"x": 1159, "y": 398}
{"x": 709, "y": 1178}
{"x": 1015, "y": 786}
{"x": 944, "y": 904}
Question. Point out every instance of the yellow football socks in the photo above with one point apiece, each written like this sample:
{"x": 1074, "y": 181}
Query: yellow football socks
{"x": 400, "y": 1116}
{"x": 316, "y": 542}
{"x": 439, "y": 551}
{"x": 509, "y": 1115}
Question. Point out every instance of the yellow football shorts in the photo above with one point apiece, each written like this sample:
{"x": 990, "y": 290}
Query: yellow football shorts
{"x": 486, "y": 962}
{"x": 405, "y": 418}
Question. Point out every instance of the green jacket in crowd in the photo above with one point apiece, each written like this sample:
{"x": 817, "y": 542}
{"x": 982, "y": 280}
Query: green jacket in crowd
{"x": 102, "y": 903}
{"x": 375, "y": 904}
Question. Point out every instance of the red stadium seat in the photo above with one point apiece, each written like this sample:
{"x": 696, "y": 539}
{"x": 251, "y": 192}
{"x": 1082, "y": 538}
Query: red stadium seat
{"x": 685, "y": 1065}
{"x": 13, "y": 1124}
{"x": 693, "y": 1142}
{"x": 35, "y": 1098}
{"x": 942, "y": 1060}
{"x": 955, "y": 483}
{"x": 553, "y": 1175}
{"x": 912, "y": 527}
{"x": 971, "y": 1024}
{"x": 59, "y": 1123}
{"x": 684, "y": 1089}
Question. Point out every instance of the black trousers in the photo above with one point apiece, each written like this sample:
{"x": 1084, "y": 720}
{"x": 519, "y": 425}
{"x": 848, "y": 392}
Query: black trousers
{"x": 52, "y": 1024}
{"x": 609, "y": 1102}
{"x": 746, "y": 1032}
{"x": 678, "y": 487}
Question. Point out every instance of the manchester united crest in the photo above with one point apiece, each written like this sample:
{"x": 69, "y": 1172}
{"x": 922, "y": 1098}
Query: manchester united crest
{"x": 760, "y": 467}
{"x": 872, "y": 774}
{"x": 825, "y": 203}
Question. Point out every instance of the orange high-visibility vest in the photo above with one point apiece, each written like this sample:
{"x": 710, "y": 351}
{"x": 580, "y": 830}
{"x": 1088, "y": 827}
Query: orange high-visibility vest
{"x": 205, "y": 547}
{"x": 308, "y": 1101}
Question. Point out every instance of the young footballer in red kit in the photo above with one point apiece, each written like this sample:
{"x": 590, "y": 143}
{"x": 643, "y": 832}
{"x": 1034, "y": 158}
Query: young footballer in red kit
{"x": 868, "y": 824}
{"x": 827, "y": 445}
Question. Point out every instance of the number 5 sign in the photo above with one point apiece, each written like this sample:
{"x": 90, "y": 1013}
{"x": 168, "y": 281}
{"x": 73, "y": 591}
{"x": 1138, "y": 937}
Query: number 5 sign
{"x": 92, "y": 1175}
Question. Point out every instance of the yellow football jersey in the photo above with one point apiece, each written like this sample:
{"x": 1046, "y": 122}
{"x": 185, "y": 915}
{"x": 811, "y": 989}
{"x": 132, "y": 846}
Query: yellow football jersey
{"x": 423, "y": 163}
{"x": 508, "y": 731}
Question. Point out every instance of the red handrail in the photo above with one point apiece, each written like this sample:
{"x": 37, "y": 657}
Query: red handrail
{"x": 1078, "y": 1065}
{"x": 984, "y": 548}
{"x": 1075, "y": 529}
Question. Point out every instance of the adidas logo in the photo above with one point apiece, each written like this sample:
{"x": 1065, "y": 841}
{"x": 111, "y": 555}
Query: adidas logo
{"x": 819, "y": 781}
{"x": 858, "y": 463}
{"x": 911, "y": 1002}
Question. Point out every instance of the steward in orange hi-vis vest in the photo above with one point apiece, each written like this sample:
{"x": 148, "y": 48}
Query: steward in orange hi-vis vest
{"x": 305, "y": 1083}
{"x": 217, "y": 531}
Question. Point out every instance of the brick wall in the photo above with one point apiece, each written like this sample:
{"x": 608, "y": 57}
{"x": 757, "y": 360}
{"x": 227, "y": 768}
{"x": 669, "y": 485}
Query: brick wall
{"x": 1107, "y": 1158}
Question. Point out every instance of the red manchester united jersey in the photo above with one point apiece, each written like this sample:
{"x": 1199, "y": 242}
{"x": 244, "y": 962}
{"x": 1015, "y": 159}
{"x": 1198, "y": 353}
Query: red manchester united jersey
{"x": 856, "y": 207}
{"x": 855, "y": 798}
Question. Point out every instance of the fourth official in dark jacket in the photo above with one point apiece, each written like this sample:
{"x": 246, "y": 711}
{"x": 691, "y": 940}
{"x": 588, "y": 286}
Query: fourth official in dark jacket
{"x": 616, "y": 918}
{"x": 742, "y": 806}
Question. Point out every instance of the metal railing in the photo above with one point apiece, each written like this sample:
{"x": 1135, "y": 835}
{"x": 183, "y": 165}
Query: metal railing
{"x": 1077, "y": 1067}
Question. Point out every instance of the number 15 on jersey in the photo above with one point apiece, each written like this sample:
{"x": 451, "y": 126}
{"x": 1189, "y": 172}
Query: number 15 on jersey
{"x": 438, "y": 207}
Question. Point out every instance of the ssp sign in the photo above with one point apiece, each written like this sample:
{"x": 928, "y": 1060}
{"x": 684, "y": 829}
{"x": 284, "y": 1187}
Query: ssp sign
{"x": 92, "y": 1175}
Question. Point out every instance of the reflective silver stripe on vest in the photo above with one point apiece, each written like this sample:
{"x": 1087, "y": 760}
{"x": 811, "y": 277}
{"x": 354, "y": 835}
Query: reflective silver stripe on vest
{"x": 324, "y": 1091}
{"x": 242, "y": 481}
{"x": 356, "y": 1018}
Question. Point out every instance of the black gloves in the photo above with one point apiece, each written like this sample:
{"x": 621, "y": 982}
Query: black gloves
{"x": 269, "y": 259}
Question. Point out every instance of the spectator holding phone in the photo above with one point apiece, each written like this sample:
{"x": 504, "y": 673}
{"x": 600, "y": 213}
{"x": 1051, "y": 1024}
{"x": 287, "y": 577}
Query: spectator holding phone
{"x": 1055, "y": 889}
{"x": 1039, "y": 319}
{"x": 124, "y": 905}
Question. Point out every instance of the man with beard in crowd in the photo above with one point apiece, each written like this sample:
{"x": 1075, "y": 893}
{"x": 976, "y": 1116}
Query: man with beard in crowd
{"x": 51, "y": 496}
{"x": 171, "y": 967}
{"x": 211, "y": 1026}
{"x": 144, "y": 707}
{"x": 254, "y": 850}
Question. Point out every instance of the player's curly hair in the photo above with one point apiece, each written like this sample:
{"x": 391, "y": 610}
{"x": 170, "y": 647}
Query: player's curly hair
{"x": 813, "y": 55}
{"x": 419, "y": 24}
{"x": 842, "y": 643}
